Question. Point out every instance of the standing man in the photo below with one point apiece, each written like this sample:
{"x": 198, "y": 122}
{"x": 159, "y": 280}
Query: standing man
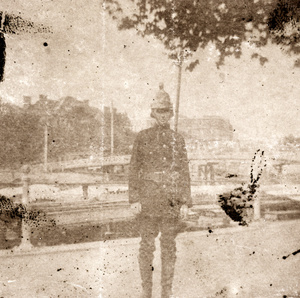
{"x": 159, "y": 189}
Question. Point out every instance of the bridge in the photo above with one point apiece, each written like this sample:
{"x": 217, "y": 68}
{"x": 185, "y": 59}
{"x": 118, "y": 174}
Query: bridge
{"x": 281, "y": 157}
{"x": 99, "y": 170}
{"x": 87, "y": 163}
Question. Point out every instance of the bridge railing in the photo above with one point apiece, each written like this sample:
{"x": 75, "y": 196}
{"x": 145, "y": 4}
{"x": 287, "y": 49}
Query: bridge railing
{"x": 205, "y": 172}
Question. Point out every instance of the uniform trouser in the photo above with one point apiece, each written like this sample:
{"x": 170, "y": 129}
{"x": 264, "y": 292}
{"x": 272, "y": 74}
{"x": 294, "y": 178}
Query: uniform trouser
{"x": 150, "y": 226}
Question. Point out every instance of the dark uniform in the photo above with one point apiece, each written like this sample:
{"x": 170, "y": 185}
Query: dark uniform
{"x": 159, "y": 179}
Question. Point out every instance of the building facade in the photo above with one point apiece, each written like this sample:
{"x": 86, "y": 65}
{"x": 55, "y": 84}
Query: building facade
{"x": 206, "y": 129}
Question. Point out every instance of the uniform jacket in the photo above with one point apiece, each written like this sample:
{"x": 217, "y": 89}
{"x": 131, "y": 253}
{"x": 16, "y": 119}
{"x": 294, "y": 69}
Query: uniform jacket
{"x": 162, "y": 151}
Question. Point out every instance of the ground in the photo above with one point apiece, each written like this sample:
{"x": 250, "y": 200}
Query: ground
{"x": 228, "y": 262}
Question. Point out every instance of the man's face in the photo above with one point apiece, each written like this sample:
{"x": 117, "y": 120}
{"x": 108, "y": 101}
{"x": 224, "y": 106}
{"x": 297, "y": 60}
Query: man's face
{"x": 162, "y": 116}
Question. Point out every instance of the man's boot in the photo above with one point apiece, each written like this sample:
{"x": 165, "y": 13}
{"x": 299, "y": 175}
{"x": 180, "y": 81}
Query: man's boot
{"x": 146, "y": 271}
{"x": 167, "y": 276}
{"x": 147, "y": 291}
{"x": 166, "y": 292}
{"x": 168, "y": 259}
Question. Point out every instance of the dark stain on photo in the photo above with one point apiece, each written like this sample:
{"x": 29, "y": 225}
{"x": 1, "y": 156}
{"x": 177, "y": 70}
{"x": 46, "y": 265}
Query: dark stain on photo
{"x": 13, "y": 24}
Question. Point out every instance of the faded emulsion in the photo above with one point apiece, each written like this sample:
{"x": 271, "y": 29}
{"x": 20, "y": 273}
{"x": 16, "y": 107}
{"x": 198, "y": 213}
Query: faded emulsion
{"x": 113, "y": 184}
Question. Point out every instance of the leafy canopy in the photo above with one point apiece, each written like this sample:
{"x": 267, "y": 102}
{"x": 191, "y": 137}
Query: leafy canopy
{"x": 184, "y": 26}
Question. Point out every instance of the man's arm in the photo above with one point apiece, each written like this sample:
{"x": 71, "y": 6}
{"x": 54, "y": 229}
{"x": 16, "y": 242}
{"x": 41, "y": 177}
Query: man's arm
{"x": 134, "y": 169}
{"x": 185, "y": 175}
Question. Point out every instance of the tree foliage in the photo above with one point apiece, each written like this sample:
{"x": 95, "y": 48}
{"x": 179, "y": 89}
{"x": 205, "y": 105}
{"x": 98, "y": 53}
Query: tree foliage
{"x": 74, "y": 130}
{"x": 284, "y": 24}
{"x": 78, "y": 129}
{"x": 123, "y": 134}
{"x": 20, "y": 136}
{"x": 184, "y": 26}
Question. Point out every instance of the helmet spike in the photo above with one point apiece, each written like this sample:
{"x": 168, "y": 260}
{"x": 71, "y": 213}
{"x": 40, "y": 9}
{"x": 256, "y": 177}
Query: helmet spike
{"x": 161, "y": 99}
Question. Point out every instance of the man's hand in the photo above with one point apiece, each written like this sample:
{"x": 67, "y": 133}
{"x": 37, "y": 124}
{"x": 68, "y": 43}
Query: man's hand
{"x": 136, "y": 208}
{"x": 184, "y": 211}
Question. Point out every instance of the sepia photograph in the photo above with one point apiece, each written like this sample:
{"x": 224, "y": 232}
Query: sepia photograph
{"x": 150, "y": 148}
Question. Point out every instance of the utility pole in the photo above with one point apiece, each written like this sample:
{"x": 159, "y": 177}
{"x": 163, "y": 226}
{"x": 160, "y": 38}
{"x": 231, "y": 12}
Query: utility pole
{"x": 111, "y": 128}
{"x": 178, "y": 92}
{"x": 46, "y": 146}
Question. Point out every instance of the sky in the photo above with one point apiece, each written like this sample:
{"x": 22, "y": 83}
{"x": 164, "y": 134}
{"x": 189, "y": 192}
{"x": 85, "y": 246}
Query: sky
{"x": 88, "y": 58}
